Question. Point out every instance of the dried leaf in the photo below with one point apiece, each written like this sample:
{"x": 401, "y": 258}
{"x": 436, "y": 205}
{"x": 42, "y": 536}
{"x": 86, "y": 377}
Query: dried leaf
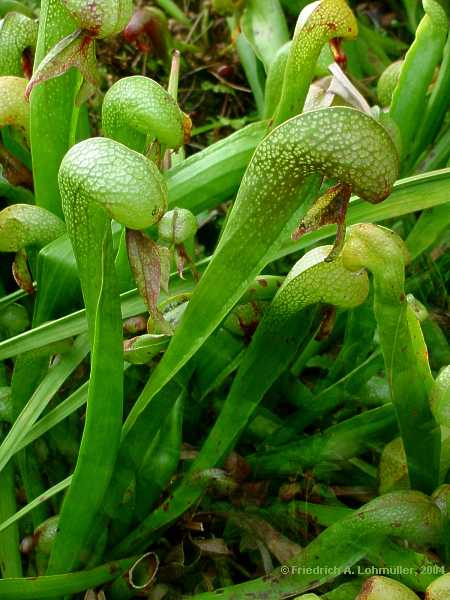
{"x": 237, "y": 467}
{"x": 21, "y": 272}
{"x": 165, "y": 259}
{"x": 74, "y": 50}
{"x": 93, "y": 595}
{"x": 214, "y": 546}
{"x": 343, "y": 87}
{"x": 148, "y": 264}
{"x": 142, "y": 574}
{"x": 282, "y": 548}
{"x": 325, "y": 210}
{"x": 180, "y": 259}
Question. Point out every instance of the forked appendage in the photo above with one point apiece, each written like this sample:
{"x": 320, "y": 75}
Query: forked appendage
{"x": 96, "y": 19}
{"x": 338, "y": 52}
{"x": 75, "y": 50}
{"x": 329, "y": 208}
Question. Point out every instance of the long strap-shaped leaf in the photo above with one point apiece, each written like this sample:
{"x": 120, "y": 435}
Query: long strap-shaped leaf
{"x": 102, "y": 179}
{"x": 24, "y": 226}
{"x": 318, "y": 23}
{"x": 409, "y": 99}
{"x": 264, "y": 26}
{"x": 10, "y": 561}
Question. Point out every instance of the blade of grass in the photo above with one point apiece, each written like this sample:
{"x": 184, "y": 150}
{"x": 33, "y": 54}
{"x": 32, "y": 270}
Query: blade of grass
{"x": 11, "y": 298}
{"x": 174, "y": 11}
{"x": 42, "y": 396}
{"x": 437, "y": 157}
{"x": 58, "y": 414}
{"x": 212, "y": 175}
{"x": 436, "y": 108}
{"x": 10, "y": 562}
{"x": 30, "y": 370}
{"x": 56, "y": 489}
{"x": 429, "y": 227}
{"x": 52, "y": 586}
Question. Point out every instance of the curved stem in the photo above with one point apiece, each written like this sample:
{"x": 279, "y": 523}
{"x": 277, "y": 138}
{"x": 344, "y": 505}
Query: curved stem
{"x": 317, "y": 24}
{"x": 383, "y": 253}
{"x": 100, "y": 179}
